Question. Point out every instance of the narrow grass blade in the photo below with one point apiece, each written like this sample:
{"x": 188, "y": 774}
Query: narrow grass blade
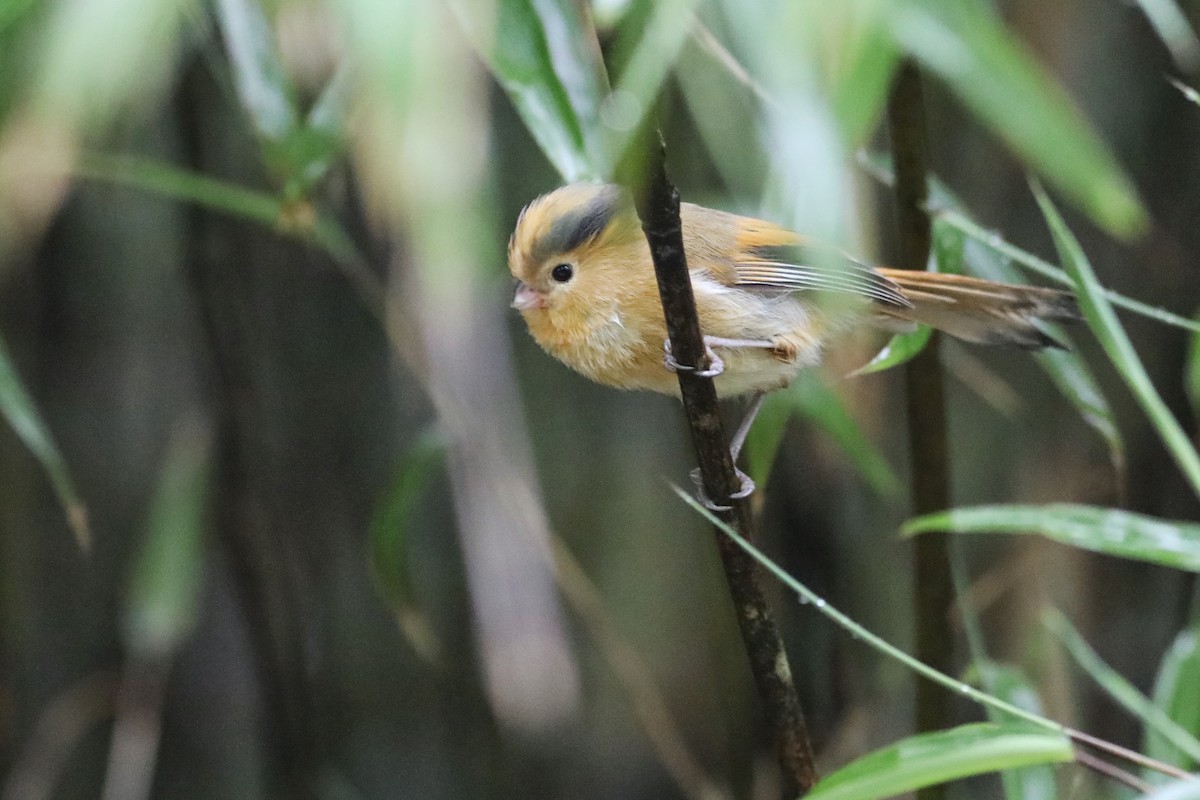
{"x": 965, "y": 44}
{"x": 933, "y": 758}
{"x": 23, "y": 416}
{"x": 1187, "y": 91}
{"x": 1065, "y": 368}
{"x": 181, "y": 184}
{"x": 1117, "y": 687}
{"x": 808, "y": 597}
{"x": 1102, "y": 530}
{"x": 1040, "y": 266}
{"x": 1107, "y": 328}
{"x": 1177, "y": 695}
{"x": 164, "y": 590}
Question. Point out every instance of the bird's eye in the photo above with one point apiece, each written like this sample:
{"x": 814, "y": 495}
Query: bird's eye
{"x": 562, "y": 273}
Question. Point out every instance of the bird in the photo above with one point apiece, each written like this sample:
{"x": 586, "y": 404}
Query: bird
{"x": 769, "y": 300}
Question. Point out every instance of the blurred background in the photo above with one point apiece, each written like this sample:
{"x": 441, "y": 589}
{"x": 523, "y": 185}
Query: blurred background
{"x": 285, "y": 481}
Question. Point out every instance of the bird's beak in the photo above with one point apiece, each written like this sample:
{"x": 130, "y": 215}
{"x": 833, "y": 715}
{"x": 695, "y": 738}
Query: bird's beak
{"x": 526, "y": 297}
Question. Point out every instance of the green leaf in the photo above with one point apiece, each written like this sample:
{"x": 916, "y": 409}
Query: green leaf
{"x": 901, "y": 348}
{"x": 809, "y": 397}
{"x": 1107, "y": 328}
{"x": 1011, "y": 685}
{"x": 1102, "y": 530}
{"x": 1116, "y": 686}
{"x": 23, "y": 417}
{"x": 1177, "y": 696}
{"x": 546, "y": 57}
{"x": 929, "y": 759}
{"x": 297, "y": 155}
{"x": 391, "y": 536}
{"x": 262, "y": 83}
{"x": 164, "y": 590}
{"x": 964, "y": 44}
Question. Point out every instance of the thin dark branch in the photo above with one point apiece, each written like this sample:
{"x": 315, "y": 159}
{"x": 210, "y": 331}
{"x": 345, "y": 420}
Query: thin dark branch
{"x": 1111, "y": 771}
{"x": 658, "y": 206}
{"x": 1132, "y": 756}
{"x": 932, "y": 588}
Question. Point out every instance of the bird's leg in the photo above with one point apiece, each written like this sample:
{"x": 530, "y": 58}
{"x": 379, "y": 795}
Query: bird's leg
{"x": 735, "y": 449}
{"x": 743, "y": 428}
{"x": 715, "y": 365}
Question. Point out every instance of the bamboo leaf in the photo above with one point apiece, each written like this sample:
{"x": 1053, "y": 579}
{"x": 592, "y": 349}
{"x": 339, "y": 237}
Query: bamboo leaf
{"x": 1107, "y": 328}
{"x": 262, "y": 83}
{"x": 1102, "y": 530}
{"x": 164, "y": 590}
{"x": 23, "y": 417}
{"x": 546, "y": 57}
{"x": 1117, "y": 687}
{"x": 901, "y": 348}
{"x": 1177, "y": 697}
{"x": 933, "y": 758}
{"x": 1011, "y": 685}
{"x": 966, "y": 45}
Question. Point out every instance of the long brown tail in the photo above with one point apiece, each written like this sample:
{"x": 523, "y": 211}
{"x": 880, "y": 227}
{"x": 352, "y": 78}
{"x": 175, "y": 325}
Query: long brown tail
{"x": 978, "y": 311}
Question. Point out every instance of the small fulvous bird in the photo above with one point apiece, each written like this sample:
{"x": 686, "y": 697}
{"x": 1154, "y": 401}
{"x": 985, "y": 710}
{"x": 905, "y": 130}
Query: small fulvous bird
{"x": 587, "y": 290}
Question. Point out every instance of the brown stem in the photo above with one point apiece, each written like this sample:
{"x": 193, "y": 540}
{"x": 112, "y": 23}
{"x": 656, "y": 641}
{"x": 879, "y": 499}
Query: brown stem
{"x": 1111, "y": 771}
{"x": 658, "y": 206}
{"x": 932, "y": 589}
{"x": 1132, "y": 756}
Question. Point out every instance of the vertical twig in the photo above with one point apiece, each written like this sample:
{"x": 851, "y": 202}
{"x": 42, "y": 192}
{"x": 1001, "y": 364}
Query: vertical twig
{"x": 658, "y": 206}
{"x": 932, "y": 589}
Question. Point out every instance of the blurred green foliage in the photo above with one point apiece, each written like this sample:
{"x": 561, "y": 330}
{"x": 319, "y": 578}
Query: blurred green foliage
{"x": 365, "y": 165}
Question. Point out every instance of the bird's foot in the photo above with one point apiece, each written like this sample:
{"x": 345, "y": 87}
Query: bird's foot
{"x": 715, "y": 365}
{"x": 745, "y": 491}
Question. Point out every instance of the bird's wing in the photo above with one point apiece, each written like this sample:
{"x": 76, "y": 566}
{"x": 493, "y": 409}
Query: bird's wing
{"x": 775, "y": 259}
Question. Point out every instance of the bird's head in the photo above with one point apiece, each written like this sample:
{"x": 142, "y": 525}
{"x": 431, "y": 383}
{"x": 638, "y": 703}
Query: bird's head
{"x": 571, "y": 248}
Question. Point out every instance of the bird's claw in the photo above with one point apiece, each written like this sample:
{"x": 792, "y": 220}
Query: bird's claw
{"x": 715, "y": 365}
{"x": 745, "y": 491}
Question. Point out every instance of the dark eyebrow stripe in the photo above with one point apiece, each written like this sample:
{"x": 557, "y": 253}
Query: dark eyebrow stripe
{"x": 575, "y": 228}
